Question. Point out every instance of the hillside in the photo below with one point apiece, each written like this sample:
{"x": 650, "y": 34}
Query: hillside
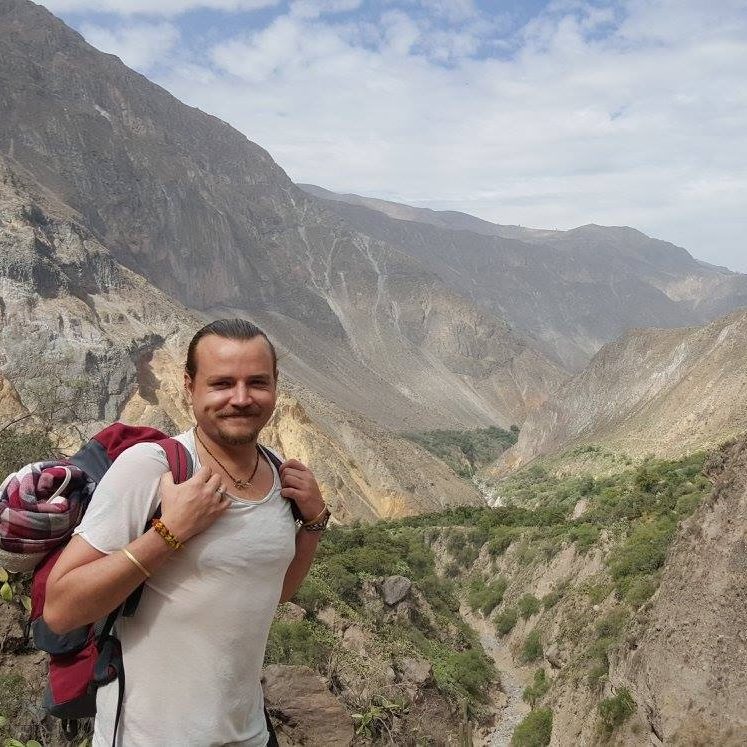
{"x": 572, "y": 291}
{"x": 206, "y": 215}
{"x": 72, "y": 319}
{"x": 664, "y": 392}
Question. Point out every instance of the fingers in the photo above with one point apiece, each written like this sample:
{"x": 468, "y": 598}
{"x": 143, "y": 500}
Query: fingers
{"x": 293, "y": 493}
{"x": 294, "y": 480}
{"x": 213, "y": 483}
{"x": 293, "y": 464}
{"x": 201, "y": 476}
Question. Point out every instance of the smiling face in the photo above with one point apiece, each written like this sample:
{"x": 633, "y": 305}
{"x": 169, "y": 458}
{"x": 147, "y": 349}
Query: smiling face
{"x": 233, "y": 389}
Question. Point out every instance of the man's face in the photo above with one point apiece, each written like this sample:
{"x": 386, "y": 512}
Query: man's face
{"x": 233, "y": 391}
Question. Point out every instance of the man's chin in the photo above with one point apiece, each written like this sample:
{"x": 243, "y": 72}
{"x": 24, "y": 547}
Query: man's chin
{"x": 237, "y": 436}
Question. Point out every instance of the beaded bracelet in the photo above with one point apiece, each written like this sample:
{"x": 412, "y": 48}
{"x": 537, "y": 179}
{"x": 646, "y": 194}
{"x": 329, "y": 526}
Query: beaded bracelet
{"x": 169, "y": 538}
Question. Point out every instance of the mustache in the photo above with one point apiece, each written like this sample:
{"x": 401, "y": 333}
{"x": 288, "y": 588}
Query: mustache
{"x": 239, "y": 413}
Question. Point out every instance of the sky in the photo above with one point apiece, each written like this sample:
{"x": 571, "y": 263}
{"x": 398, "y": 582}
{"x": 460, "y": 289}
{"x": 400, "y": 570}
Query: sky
{"x": 549, "y": 114}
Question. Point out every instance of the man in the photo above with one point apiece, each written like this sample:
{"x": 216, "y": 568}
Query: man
{"x": 224, "y": 554}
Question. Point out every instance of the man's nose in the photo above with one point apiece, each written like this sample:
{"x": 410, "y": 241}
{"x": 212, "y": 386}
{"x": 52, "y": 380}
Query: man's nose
{"x": 241, "y": 395}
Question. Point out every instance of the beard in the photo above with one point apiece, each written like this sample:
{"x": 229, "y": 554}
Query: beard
{"x": 232, "y": 438}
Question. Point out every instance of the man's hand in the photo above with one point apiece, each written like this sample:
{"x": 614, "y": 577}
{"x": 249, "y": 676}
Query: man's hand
{"x": 299, "y": 484}
{"x": 192, "y": 506}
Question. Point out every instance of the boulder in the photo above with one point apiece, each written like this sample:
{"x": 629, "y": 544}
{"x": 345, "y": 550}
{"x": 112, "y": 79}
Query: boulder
{"x": 303, "y": 710}
{"x": 290, "y": 612}
{"x": 355, "y": 639}
{"x": 416, "y": 671}
{"x": 395, "y": 588}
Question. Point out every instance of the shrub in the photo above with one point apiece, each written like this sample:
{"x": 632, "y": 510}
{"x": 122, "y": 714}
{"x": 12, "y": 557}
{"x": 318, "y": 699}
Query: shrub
{"x": 21, "y": 447}
{"x": 500, "y": 539}
{"x": 528, "y": 605}
{"x": 486, "y": 597}
{"x": 644, "y": 551}
{"x": 534, "y": 692}
{"x": 534, "y": 730}
{"x": 299, "y": 642}
{"x": 616, "y": 710}
{"x": 640, "y": 588}
{"x": 552, "y": 598}
{"x": 532, "y": 648}
{"x": 584, "y": 535}
{"x": 506, "y": 620}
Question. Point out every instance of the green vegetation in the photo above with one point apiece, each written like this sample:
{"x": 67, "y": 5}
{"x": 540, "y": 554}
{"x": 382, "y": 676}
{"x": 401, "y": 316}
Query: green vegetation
{"x": 528, "y": 605}
{"x": 616, "y": 710}
{"x": 532, "y": 648}
{"x": 21, "y": 447}
{"x": 506, "y": 620}
{"x": 486, "y": 597}
{"x": 534, "y": 730}
{"x": 534, "y": 692}
{"x": 466, "y": 451}
{"x": 347, "y": 560}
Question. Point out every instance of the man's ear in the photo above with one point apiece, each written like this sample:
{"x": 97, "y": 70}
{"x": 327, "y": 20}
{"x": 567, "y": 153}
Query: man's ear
{"x": 188, "y": 387}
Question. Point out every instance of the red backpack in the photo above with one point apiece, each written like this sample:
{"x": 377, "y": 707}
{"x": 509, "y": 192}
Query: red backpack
{"x": 84, "y": 659}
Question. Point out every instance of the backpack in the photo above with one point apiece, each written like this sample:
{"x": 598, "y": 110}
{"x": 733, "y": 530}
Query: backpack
{"x": 89, "y": 657}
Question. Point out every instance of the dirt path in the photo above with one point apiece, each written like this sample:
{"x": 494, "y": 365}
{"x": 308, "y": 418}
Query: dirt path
{"x": 510, "y": 709}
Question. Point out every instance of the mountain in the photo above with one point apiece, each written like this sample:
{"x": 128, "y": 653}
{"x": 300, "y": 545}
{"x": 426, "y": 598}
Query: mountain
{"x": 665, "y": 392}
{"x": 570, "y": 291}
{"x": 71, "y": 316}
{"x": 209, "y": 218}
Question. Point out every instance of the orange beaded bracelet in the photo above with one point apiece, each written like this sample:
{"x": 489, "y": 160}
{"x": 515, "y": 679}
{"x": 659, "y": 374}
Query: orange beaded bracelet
{"x": 163, "y": 530}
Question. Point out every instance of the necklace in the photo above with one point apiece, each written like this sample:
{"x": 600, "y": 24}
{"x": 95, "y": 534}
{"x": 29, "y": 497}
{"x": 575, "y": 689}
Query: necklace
{"x": 240, "y": 484}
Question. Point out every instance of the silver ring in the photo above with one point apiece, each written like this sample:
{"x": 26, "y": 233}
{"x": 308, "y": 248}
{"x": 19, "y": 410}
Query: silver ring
{"x": 221, "y": 492}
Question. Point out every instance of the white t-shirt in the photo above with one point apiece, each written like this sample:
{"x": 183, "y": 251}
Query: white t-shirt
{"x": 194, "y": 648}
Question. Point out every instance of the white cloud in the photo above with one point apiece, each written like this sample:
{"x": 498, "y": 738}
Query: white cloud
{"x": 151, "y": 8}
{"x": 632, "y": 114}
{"x": 138, "y": 45}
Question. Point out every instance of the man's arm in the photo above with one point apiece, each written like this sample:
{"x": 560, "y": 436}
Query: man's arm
{"x": 306, "y": 544}
{"x": 86, "y": 584}
{"x": 299, "y": 484}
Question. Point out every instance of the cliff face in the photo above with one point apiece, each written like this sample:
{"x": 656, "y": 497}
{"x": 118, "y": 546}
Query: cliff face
{"x": 689, "y": 671}
{"x": 206, "y": 215}
{"x": 665, "y": 392}
{"x": 72, "y": 316}
{"x": 572, "y": 291}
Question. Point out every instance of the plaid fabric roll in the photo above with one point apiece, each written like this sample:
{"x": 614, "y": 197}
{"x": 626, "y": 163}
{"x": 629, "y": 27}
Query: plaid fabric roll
{"x": 40, "y": 505}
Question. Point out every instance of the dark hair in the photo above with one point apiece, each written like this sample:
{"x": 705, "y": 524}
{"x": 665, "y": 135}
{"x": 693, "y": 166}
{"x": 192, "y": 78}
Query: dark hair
{"x": 231, "y": 329}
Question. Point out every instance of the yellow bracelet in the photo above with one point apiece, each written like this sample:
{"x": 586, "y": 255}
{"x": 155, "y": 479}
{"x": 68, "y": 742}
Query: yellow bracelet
{"x": 316, "y": 518}
{"x": 136, "y": 562}
{"x": 169, "y": 538}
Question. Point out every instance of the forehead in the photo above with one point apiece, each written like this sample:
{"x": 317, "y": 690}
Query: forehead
{"x": 218, "y": 356}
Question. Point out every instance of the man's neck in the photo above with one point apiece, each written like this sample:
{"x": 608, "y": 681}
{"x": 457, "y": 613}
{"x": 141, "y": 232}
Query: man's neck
{"x": 237, "y": 455}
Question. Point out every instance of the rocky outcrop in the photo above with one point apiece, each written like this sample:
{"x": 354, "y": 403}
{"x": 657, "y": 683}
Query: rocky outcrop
{"x": 664, "y": 392}
{"x": 303, "y": 709}
{"x": 688, "y": 673}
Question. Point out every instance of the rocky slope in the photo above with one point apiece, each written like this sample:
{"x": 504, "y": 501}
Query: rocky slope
{"x": 573, "y": 291}
{"x": 688, "y": 673}
{"x": 206, "y": 215}
{"x": 71, "y": 316}
{"x": 665, "y": 392}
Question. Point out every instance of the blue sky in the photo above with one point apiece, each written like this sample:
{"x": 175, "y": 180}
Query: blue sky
{"x": 549, "y": 114}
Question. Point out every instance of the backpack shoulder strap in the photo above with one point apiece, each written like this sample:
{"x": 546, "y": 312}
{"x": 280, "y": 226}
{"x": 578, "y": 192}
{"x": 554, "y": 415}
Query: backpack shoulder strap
{"x": 276, "y": 461}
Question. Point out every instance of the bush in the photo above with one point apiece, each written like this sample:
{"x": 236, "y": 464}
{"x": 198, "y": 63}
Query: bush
{"x": 534, "y": 730}
{"x": 500, "y": 540}
{"x": 486, "y": 597}
{"x": 532, "y": 648}
{"x": 552, "y": 598}
{"x": 534, "y": 692}
{"x": 584, "y": 535}
{"x": 644, "y": 551}
{"x": 21, "y": 447}
{"x": 528, "y": 605}
{"x": 616, "y": 710}
{"x": 299, "y": 642}
{"x": 639, "y": 588}
{"x": 505, "y": 622}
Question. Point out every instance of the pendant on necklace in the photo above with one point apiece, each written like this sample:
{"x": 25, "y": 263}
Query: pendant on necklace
{"x": 242, "y": 484}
